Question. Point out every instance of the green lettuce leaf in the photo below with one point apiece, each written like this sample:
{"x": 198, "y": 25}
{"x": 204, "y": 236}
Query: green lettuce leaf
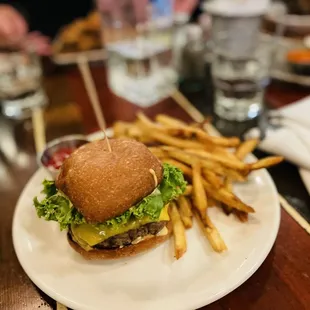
{"x": 173, "y": 184}
{"x": 150, "y": 206}
{"x": 49, "y": 188}
{"x": 56, "y": 206}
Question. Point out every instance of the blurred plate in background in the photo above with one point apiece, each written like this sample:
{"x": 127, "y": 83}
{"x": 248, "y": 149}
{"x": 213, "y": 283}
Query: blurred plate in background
{"x": 282, "y": 69}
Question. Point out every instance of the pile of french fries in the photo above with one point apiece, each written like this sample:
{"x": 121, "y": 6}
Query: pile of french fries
{"x": 210, "y": 164}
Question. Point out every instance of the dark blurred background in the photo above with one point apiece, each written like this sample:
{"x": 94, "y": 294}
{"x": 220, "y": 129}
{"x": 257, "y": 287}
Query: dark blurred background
{"x": 49, "y": 16}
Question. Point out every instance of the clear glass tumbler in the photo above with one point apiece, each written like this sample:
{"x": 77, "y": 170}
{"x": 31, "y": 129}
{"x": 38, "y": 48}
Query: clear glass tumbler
{"x": 20, "y": 83}
{"x": 240, "y": 79}
{"x": 137, "y": 35}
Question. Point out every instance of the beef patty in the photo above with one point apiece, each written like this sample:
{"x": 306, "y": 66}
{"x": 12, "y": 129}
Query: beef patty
{"x": 131, "y": 235}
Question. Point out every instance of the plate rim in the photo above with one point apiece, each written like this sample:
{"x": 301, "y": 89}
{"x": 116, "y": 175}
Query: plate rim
{"x": 201, "y": 301}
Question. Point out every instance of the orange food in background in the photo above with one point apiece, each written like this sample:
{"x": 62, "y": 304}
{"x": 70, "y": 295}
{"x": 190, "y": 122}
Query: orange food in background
{"x": 299, "y": 56}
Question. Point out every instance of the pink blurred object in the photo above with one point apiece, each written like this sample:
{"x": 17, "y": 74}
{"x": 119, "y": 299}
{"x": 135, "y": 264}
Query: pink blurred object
{"x": 113, "y": 7}
{"x": 14, "y": 33}
{"x": 38, "y": 42}
{"x": 180, "y": 6}
{"x": 185, "y": 6}
{"x": 13, "y": 26}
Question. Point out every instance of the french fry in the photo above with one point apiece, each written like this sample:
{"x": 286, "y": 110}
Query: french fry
{"x": 227, "y": 210}
{"x": 242, "y": 151}
{"x": 213, "y": 203}
{"x": 234, "y": 175}
{"x": 130, "y": 130}
{"x": 227, "y": 198}
{"x": 219, "y": 141}
{"x": 226, "y": 153}
{"x": 234, "y": 164}
{"x": 136, "y": 133}
{"x": 185, "y": 169}
{"x": 173, "y": 141}
{"x": 199, "y": 133}
{"x": 242, "y": 216}
{"x": 196, "y": 125}
{"x": 182, "y": 156}
{"x": 177, "y": 127}
{"x": 169, "y": 121}
{"x": 216, "y": 139}
{"x": 183, "y": 132}
{"x": 266, "y": 162}
{"x": 205, "y": 138}
{"x": 187, "y": 221}
{"x": 212, "y": 178}
{"x": 189, "y": 159}
{"x": 216, "y": 167}
{"x": 147, "y": 122}
{"x": 180, "y": 245}
{"x": 188, "y": 191}
{"x": 158, "y": 152}
{"x": 185, "y": 211}
{"x": 120, "y": 129}
{"x": 185, "y": 206}
{"x": 199, "y": 195}
{"x": 246, "y": 148}
{"x": 228, "y": 186}
{"x": 212, "y": 234}
{"x": 168, "y": 148}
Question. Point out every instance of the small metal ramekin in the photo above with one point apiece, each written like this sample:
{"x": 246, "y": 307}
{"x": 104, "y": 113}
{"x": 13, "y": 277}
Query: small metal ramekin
{"x": 70, "y": 141}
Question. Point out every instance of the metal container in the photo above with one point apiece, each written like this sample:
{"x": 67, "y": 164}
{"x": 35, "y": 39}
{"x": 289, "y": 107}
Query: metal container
{"x": 71, "y": 142}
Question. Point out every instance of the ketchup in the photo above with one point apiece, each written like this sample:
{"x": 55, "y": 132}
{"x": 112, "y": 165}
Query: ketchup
{"x": 59, "y": 157}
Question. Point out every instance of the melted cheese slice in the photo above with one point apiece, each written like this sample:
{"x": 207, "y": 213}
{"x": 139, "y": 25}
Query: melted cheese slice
{"x": 88, "y": 235}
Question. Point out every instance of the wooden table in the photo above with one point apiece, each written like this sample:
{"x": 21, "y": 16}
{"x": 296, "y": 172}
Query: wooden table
{"x": 283, "y": 280}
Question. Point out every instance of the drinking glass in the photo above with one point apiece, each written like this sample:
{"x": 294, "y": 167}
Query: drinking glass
{"x": 240, "y": 79}
{"x": 137, "y": 35}
{"x": 20, "y": 83}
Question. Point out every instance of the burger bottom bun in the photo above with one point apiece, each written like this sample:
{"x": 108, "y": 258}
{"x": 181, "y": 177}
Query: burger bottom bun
{"x": 126, "y": 251}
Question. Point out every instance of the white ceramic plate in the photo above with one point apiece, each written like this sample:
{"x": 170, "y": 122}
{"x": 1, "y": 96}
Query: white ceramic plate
{"x": 281, "y": 69}
{"x": 154, "y": 280}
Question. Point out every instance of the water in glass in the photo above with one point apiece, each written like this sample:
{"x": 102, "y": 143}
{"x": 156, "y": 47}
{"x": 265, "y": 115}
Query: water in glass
{"x": 20, "y": 83}
{"x": 139, "y": 47}
{"x": 240, "y": 82}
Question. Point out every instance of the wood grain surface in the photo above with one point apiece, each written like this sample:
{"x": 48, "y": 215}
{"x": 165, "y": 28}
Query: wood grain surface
{"x": 283, "y": 280}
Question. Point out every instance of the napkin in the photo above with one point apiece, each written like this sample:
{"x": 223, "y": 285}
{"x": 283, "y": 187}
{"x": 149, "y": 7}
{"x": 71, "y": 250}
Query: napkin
{"x": 289, "y": 135}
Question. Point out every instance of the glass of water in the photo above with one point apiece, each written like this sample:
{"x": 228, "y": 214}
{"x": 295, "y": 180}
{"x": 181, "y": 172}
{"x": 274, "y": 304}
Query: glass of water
{"x": 240, "y": 78}
{"x": 20, "y": 83}
{"x": 137, "y": 35}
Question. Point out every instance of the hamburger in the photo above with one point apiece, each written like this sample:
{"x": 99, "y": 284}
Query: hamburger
{"x": 112, "y": 203}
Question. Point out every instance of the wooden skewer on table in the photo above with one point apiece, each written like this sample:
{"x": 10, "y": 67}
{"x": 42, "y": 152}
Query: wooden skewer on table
{"x": 187, "y": 106}
{"x": 38, "y": 130}
{"x": 91, "y": 90}
{"x": 294, "y": 214}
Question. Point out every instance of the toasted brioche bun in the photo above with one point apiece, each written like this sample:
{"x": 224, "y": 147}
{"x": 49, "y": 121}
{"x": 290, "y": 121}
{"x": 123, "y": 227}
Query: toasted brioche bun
{"x": 126, "y": 251}
{"x": 103, "y": 184}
